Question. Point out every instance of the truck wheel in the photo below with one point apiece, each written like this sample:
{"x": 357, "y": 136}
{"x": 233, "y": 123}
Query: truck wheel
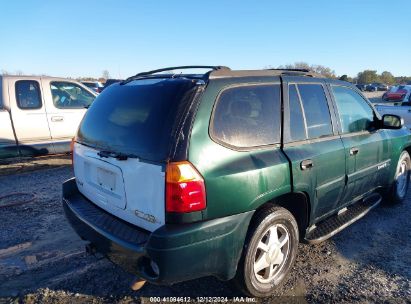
{"x": 269, "y": 252}
{"x": 399, "y": 189}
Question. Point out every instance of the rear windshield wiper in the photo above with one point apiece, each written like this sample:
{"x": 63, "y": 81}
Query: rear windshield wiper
{"x": 116, "y": 155}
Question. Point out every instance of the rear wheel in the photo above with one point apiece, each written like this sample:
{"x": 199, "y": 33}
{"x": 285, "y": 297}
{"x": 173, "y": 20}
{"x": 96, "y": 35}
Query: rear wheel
{"x": 269, "y": 252}
{"x": 399, "y": 189}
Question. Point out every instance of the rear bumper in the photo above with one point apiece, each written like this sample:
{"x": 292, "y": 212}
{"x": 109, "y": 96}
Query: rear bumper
{"x": 182, "y": 252}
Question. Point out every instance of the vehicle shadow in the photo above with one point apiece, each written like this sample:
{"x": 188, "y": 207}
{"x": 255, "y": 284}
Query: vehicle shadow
{"x": 29, "y": 164}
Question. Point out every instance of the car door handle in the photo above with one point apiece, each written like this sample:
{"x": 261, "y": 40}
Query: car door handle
{"x": 354, "y": 151}
{"x": 57, "y": 118}
{"x": 306, "y": 164}
{"x": 409, "y": 110}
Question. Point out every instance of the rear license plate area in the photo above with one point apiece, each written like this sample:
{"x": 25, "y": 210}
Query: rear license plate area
{"x": 106, "y": 179}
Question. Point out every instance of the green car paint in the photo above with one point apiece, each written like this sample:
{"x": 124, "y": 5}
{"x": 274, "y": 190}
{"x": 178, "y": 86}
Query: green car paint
{"x": 236, "y": 181}
{"x": 242, "y": 180}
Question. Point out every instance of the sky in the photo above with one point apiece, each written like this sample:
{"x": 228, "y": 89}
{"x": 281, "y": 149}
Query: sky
{"x": 83, "y": 38}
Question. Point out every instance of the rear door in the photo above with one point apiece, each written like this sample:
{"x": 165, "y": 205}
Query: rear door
{"x": 66, "y": 104}
{"x": 367, "y": 149}
{"x": 312, "y": 144}
{"x": 28, "y": 112}
{"x": 131, "y": 189}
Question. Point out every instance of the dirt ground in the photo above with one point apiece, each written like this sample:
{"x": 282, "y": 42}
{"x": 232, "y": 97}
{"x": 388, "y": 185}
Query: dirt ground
{"x": 43, "y": 261}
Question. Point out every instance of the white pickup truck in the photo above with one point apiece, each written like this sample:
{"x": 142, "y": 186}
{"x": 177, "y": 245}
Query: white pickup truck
{"x": 40, "y": 115}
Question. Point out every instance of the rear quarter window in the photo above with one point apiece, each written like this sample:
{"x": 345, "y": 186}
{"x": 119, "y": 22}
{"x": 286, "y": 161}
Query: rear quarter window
{"x": 247, "y": 116}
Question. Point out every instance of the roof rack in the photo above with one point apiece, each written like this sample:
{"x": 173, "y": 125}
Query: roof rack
{"x": 298, "y": 72}
{"x": 184, "y": 67}
{"x": 292, "y": 70}
{"x": 263, "y": 73}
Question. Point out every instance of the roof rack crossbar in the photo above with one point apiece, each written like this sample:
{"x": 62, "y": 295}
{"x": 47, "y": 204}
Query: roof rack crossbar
{"x": 292, "y": 70}
{"x": 298, "y": 72}
{"x": 184, "y": 67}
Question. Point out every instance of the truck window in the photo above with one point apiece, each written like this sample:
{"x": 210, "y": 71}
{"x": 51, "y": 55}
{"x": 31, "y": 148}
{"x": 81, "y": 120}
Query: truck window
{"x": 68, "y": 95}
{"x": 297, "y": 125}
{"x": 354, "y": 112}
{"x": 316, "y": 110}
{"x": 248, "y": 116}
{"x": 28, "y": 94}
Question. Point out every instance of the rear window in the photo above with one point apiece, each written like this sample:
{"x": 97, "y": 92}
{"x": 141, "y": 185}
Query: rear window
{"x": 137, "y": 118}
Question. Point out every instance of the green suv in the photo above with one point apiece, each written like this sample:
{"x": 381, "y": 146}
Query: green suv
{"x": 184, "y": 175}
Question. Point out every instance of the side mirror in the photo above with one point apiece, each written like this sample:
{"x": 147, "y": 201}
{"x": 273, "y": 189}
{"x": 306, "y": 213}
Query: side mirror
{"x": 390, "y": 121}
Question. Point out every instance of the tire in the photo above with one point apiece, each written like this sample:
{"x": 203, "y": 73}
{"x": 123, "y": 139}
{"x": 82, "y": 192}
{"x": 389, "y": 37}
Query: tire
{"x": 258, "y": 253}
{"x": 398, "y": 191}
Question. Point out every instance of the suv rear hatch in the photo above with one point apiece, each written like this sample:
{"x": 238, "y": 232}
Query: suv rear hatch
{"x": 124, "y": 143}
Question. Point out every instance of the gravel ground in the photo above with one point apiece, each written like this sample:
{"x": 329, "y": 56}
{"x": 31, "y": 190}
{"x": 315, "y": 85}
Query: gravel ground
{"x": 43, "y": 261}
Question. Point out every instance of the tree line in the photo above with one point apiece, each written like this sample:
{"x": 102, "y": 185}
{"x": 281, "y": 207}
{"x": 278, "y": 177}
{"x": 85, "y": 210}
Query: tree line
{"x": 364, "y": 77}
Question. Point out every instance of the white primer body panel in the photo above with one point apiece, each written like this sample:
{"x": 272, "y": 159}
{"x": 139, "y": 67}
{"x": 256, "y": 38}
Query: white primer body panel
{"x": 129, "y": 189}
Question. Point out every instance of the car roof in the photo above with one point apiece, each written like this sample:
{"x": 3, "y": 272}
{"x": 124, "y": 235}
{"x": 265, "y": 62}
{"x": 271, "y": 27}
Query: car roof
{"x": 226, "y": 72}
{"x": 28, "y": 77}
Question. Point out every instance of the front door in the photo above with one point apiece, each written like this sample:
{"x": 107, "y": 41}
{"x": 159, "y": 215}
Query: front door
{"x": 66, "y": 106}
{"x": 313, "y": 146}
{"x": 366, "y": 150}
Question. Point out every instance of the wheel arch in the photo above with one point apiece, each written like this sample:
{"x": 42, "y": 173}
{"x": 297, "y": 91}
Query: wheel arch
{"x": 297, "y": 203}
{"x": 408, "y": 149}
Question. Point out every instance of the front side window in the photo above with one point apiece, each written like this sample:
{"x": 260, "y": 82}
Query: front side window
{"x": 28, "y": 94}
{"x": 67, "y": 95}
{"x": 354, "y": 112}
{"x": 248, "y": 116}
{"x": 316, "y": 110}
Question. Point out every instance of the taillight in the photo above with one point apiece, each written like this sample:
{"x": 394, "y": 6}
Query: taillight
{"x": 185, "y": 189}
{"x": 72, "y": 150}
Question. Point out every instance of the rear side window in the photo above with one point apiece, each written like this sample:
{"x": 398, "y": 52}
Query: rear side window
{"x": 297, "y": 125}
{"x": 28, "y": 94}
{"x": 68, "y": 95}
{"x": 248, "y": 116}
{"x": 316, "y": 110}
